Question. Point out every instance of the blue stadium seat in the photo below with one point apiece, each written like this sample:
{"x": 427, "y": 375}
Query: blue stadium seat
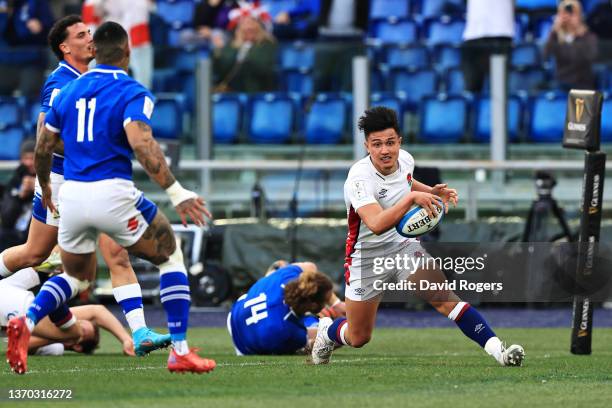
{"x": 30, "y": 121}
{"x": 547, "y": 117}
{"x": 297, "y": 56}
{"x": 542, "y": 29}
{"x": 187, "y": 86}
{"x": 436, "y": 8}
{"x": 10, "y": 112}
{"x": 415, "y": 84}
{"x": 393, "y": 31}
{"x": 606, "y": 121}
{"x": 443, "y": 118}
{"x": 389, "y": 8}
{"x": 526, "y": 54}
{"x": 187, "y": 60}
{"x": 395, "y": 101}
{"x": 415, "y": 56}
{"x": 589, "y": 5}
{"x": 177, "y": 13}
{"x": 326, "y": 120}
{"x": 482, "y": 119}
{"x": 167, "y": 119}
{"x": 453, "y": 81}
{"x": 447, "y": 56}
{"x": 271, "y": 118}
{"x": 164, "y": 80}
{"x": 298, "y": 81}
{"x": 526, "y": 79}
{"x": 378, "y": 80}
{"x": 444, "y": 30}
{"x": 226, "y": 117}
{"x": 10, "y": 142}
{"x": 274, "y": 7}
{"x": 536, "y": 4}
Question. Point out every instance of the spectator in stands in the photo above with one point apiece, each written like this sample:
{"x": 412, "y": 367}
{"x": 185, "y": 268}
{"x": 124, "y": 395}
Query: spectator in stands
{"x": 246, "y": 64}
{"x": 489, "y": 30}
{"x": 25, "y": 28}
{"x": 16, "y": 205}
{"x": 211, "y": 17}
{"x": 298, "y": 22}
{"x": 133, "y": 15}
{"x": 573, "y": 47}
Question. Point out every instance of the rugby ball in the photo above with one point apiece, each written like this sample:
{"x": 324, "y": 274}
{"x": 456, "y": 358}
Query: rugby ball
{"x": 417, "y": 222}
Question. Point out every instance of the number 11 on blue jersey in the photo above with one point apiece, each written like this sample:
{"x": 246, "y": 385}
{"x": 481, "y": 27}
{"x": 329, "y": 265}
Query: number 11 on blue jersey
{"x": 82, "y": 105}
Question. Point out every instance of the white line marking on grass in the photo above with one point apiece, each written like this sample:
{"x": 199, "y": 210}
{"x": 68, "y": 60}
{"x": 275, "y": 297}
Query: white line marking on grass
{"x": 163, "y": 367}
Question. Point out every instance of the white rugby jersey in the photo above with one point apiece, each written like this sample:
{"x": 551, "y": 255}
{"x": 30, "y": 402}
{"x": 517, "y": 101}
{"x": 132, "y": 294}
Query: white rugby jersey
{"x": 365, "y": 185}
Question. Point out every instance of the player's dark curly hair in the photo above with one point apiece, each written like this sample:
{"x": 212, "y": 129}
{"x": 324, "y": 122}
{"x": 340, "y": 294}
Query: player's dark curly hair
{"x": 59, "y": 33}
{"x": 89, "y": 346}
{"x": 110, "y": 40}
{"x": 378, "y": 118}
{"x": 308, "y": 293}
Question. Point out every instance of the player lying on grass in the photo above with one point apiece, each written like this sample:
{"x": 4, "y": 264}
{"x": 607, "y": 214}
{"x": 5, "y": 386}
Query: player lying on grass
{"x": 103, "y": 119}
{"x": 378, "y": 192}
{"x": 278, "y": 313}
{"x": 71, "y": 41}
{"x": 75, "y": 328}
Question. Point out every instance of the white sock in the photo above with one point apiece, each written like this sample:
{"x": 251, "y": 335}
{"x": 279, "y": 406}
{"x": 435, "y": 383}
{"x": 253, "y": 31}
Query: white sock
{"x": 180, "y": 347}
{"x": 136, "y": 319}
{"x": 343, "y": 330}
{"x": 53, "y": 349}
{"x": 4, "y": 271}
{"x": 30, "y": 324}
{"x": 494, "y": 347}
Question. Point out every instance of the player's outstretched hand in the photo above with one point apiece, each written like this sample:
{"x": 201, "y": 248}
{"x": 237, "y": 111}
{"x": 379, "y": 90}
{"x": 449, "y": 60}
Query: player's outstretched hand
{"x": 46, "y": 198}
{"x": 429, "y": 202}
{"x": 194, "y": 208}
{"x": 448, "y": 195}
{"x": 128, "y": 348}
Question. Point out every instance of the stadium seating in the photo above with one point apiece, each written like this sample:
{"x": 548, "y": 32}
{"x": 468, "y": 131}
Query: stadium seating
{"x": 526, "y": 54}
{"x": 413, "y": 56}
{"x": 542, "y": 29}
{"x": 167, "y": 119}
{"x": 299, "y": 81}
{"x": 378, "y": 80}
{"x": 380, "y": 9}
{"x": 272, "y": 117}
{"x": 226, "y": 117}
{"x": 10, "y": 142}
{"x": 395, "y": 101}
{"x": 415, "y": 84}
{"x": 606, "y": 121}
{"x": 526, "y": 79}
{"x": 589, "y": 5}
{"x": 536, "y": 4}
{"x": 447, "y": 56}
{"x": 274, "y": 7}
{"x": 176, "y": 13}
{"x": 444, "y": 30}
{"x": 164, "y": 80}
{"x": 547, "y": 117}
{"x": 393, "y": 31}
{"x": 187, "y": 60}
{"x": 297, "y": 56}
{"x": 436, "y": 8}
{"x": 454, "y": 82}
{"x": 443, "y": 118}
{"x": 10, "y": 112}
{"x": 326, "y": 120}
{"x": 482, "y": 119}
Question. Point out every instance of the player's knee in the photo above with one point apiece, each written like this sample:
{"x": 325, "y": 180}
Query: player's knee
{"x": 360, "y": 340}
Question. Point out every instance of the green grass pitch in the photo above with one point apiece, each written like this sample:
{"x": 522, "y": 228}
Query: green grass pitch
{"x": 399, "y": 368}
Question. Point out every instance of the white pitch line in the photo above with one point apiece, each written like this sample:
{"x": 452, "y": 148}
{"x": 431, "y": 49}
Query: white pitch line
{"x": 245, "y": 364}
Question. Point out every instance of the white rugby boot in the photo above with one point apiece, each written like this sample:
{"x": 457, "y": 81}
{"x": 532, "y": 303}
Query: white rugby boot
{"x": 323, "y": 347}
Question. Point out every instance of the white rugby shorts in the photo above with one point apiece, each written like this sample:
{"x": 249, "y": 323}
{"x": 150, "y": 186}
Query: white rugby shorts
{"x": 115, "y": 207}
{"x": 42, "y": 213}
{"x": 366, "y": 272}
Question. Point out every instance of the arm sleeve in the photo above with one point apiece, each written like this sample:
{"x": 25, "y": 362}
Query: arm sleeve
{"x": 360, "y": 191}
{"x": 139, "y": 108}
{"x": 52, "y": 121}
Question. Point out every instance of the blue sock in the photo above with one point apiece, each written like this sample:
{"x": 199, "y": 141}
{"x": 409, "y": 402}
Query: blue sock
{"x": 129, "y": 298}
{"x": 471, "y": 323}
{"x": 333, "y": 332}
{"x": 174, "y": 293}
{"x": 56, "y": 291}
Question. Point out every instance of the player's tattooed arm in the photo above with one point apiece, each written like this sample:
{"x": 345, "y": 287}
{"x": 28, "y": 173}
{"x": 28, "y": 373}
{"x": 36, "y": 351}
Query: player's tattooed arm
{"x": 45, "y": 144}
{"x": 148, "y": 153}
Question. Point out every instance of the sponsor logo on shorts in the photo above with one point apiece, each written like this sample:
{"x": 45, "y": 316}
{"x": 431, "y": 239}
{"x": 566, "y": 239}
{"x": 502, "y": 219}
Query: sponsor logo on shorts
{"x": 132, "y": 224}
{"x": 360, "y": 291}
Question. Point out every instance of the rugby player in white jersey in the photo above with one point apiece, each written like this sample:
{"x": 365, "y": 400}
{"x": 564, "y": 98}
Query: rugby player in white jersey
{"x": 379, "y": 190}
